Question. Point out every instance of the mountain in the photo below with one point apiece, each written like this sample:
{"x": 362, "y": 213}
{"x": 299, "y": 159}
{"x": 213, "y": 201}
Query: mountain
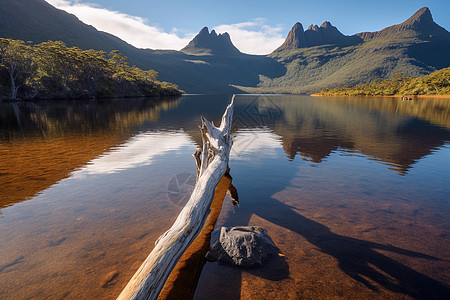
{"x": 38, "y": 21}
{"x": 316, "y": 36}
{"x": 322, "y": 57}
{"x": 209, "y": 64}
{"x": 420, "y": 23}
{"x": 211, "y": 43}
{"x": 308, "y": 61}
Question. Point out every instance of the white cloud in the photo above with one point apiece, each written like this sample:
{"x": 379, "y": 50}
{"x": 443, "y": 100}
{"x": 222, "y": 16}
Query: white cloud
{"x": 254, "y": 37}
{"x": 131, "y": 29}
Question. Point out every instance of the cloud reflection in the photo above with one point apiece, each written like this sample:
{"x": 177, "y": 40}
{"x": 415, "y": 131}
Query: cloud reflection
{"x": 255, "y": 142}
{"x": 141, "y": 150}
{"x": 138, "y": 151}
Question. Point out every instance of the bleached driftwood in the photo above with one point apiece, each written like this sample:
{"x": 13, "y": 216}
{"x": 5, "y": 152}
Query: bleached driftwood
{"x": 149, "y": 279}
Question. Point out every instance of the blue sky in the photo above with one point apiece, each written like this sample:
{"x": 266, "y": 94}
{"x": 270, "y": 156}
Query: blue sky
{"x": 255, "y": 26}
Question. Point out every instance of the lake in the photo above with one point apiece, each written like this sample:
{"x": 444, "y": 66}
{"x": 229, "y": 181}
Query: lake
{"x": 355, "y": 192}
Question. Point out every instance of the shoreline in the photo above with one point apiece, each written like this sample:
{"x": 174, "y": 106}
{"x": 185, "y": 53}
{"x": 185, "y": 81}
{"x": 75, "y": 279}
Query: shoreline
{"x": 447, "y": 96}
{"x": 88, "y": 99}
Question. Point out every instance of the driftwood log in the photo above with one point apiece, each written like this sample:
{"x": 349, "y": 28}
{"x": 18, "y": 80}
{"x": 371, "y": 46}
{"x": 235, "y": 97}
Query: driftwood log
{"x": 149, "y": 279}
{"x": 183, "y": 281}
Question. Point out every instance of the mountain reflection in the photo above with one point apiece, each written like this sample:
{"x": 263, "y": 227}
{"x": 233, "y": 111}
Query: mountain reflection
{"x": 49, "y": 119}
{"x": 41, "y": 143}
{"x": 389, "y": 130}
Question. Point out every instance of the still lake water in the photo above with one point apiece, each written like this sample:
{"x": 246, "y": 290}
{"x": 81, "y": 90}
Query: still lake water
{"x": 354, "y": 191}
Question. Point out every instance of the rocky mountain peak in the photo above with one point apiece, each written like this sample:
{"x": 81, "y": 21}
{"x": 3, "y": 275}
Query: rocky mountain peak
{"x": 313, "y": 27}
{"x": 423, "y": 15}
{"x": 297, "y": 26}
{"x": 326, "y": 24}
{"x": 295, "y": 38}
{"x": 420, "y": 23}
{"x": 315, "y": 36}
{"x": 204, "y": 31}
{"x": 296, "y": 30}
{"x": 211, "y": 42}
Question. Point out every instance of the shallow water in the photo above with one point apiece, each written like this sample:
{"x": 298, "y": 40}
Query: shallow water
{"x": 354, "y": 191}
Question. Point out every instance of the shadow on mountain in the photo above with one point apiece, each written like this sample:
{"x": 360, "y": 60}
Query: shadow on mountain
{"x": 440, "y": 49}
{"x": 207, "y": 73}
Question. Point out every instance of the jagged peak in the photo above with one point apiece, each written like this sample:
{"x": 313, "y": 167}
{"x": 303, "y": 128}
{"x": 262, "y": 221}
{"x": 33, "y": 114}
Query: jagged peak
{"x": 420, "y": 22}
{"x": 296, "y": 29}
{"x": 422, "y": 15}
{"x": 204, "y": 30}
{"x": 326, "y": 24}
{"x": 211, "y": 42}
{"x": 213, "y": 33}
{"x": 297, "y": 25}
{"x": 315, "y": 36}
{"x": 295, "y": 38}
{"x": 313, "y": 27}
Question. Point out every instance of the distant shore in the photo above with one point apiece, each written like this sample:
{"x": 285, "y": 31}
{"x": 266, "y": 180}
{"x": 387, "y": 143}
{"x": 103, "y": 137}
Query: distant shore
{"x": 384, "y": 96}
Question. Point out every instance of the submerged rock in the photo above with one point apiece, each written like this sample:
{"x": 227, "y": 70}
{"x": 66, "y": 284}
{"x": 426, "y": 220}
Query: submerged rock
{"x": 242, "y": 246}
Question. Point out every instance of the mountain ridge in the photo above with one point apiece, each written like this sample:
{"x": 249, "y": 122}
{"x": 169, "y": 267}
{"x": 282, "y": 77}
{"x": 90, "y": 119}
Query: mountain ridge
{"x": 415, "y": 47}
{"x": 308, "y": 61}
{"x": 42, "y": 26}
{"x": 421, "y": 22}
{"x": 315, "y": 36}
{"x": 38, "y": 21}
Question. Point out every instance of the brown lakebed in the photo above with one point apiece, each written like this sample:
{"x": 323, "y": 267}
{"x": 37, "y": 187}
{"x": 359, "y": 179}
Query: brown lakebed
{"x": 354, "y": 192}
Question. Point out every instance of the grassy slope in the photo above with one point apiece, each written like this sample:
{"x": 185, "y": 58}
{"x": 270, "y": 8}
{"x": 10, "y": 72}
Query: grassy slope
{"x": 312, "y": 69}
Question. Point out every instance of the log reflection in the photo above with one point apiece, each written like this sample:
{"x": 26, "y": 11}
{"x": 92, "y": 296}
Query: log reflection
{"x": 183, "y": 280}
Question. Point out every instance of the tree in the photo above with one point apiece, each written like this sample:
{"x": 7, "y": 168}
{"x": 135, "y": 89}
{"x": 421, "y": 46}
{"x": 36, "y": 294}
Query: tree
{"x": 93, "y": 68}
{"x": 17, "y": 58}
{"x": 54, "y": 70}
{"x": 58, "y": 62}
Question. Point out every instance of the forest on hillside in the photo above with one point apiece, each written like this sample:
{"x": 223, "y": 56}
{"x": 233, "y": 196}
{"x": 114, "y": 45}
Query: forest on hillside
{"x": 52, "y": 70}
{"x": 436, "y": 83}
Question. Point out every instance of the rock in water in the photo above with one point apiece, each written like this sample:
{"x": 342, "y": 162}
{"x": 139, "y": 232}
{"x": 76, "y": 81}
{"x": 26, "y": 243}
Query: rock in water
{"x": 242, "y": 246}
